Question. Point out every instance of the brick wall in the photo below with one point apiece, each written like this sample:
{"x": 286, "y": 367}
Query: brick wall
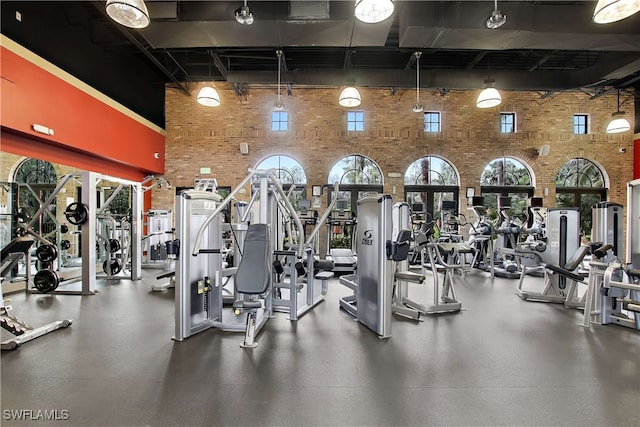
{"x": 198, "y": 136}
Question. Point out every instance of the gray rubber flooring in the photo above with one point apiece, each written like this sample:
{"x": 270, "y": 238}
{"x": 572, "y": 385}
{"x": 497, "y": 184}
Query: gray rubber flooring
{"x": 500, "y": 362}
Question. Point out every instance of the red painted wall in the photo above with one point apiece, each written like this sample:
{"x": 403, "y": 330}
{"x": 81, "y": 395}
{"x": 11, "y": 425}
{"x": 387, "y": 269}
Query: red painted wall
{"x": 88, "y": 133}
{"x": 636, "y": 158}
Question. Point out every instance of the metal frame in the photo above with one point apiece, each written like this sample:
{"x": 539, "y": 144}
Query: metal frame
{"x": 371, "y": 301}
{"x": 563, "y": 240}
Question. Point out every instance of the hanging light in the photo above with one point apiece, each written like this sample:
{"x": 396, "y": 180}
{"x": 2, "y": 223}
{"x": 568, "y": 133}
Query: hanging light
{"x": 130, "y": 13}
{"x": 417, "y": 108}
{"x": 497, "y": 19}
{"x": 244, "y": 15}
{"x": 279, "y": 105}
{"x": 208, "y": 97}
{"x": 349, "y": 97}
{"x": 489, "y": 97}
{"x": 608, "y": 11}
{"x": 373, "y": 11}
{"x": 618, "y": 122}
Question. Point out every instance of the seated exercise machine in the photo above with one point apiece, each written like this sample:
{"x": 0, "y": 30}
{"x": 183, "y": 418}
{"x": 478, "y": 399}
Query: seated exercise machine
{"x": 402, "y": 305}
{"x": 614, "y": 296}
{"x": 564, "y": 255}
{"x": 20, "y": 330}
{"x": 202, "y": 300}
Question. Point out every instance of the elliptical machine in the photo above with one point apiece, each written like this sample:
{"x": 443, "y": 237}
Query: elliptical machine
{"x": 508, "y": 233}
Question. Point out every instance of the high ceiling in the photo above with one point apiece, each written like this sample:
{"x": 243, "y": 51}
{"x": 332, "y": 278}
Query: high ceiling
{"x": 545, "y": 46}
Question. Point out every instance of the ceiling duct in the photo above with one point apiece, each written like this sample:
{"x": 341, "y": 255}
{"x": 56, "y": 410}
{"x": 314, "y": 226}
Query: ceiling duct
{"x": 309, "y": 10}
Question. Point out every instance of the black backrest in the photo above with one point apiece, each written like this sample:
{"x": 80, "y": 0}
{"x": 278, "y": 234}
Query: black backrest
{"x": 577, "y": 258}
{"x": 254, "y": 272}
{"x": 403, "y": 245}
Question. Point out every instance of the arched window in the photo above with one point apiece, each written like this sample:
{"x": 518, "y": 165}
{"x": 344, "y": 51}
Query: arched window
{"x": 358, "y": 176}
{"x": 428, "y": 182}
{"x": 287, "y": 169}
{"x": 506, "y": 177}
{"x": 580, "y": 183}
{"x": 36, "y": 180}
{"x": 290, "y": 173}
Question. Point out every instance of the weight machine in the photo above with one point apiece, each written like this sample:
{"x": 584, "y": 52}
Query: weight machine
{"x": 563, "y": 247}
{"x": 613, "y": 296}
{"x": 372, "y": 285}
{"x": 401, "y": 303}
{"x": 200, "y": 294}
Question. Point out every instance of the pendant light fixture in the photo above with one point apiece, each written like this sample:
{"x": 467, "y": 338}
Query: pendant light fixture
{"x": 618, "y": 123}
{"x": 208, "y": 97}
{"x": 608, "y": 11}
{"x": 489, "y": 97}
{"x": 373, "y": 11}
{"x": 130, "y": 13}
{"x": 417, "y": 108}
{"x": 349, "y": 97}
{"x": 497, "y": 19}
{"x": 244, "y": 15}
{"x": 279, "y": 105}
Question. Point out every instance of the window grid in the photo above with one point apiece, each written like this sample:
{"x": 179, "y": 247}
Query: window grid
{"x": 432, "y": 121}
{"x": 507, "y": 122}
{"x": 580, "y": 124}
{"x": 355, "y": 121}
{"x": 279, "y": 121}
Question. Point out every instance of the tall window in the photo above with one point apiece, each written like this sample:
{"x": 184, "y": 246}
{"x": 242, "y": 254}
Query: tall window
{"x": 432, "y": 121}
{"x": 506, "y": 177}
{"x": 359, "y": 176}
{"x": 287, "y": 169}
{"x": 36, "y": 180}
{"x": 355, "y": 121}
{"x": 580, "y": 183}
{"x": 580, "y": 124}
{"x": 279, "y": 120}
{"x": 428, "y": 182}
{"x": 507, "y": 122}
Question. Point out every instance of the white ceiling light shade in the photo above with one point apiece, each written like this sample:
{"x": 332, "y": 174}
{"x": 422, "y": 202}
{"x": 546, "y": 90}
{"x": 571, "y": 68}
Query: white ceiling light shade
{"x": 497, "y": 18}
{"x": 489, "y": 97}
{"x": 130, "y": 13}
{"x": 208, "y": 97}
{"x": 608, "y": 11}
{"x": 373, "y": 11}
{"x": 349, "y": 97}
{"x": 244, "y": 15}
{"x": 417, "y": 108}
{"x": 618, "y": 123}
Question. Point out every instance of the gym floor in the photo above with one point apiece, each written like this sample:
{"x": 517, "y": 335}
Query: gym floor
{"x": 500, "y": 362}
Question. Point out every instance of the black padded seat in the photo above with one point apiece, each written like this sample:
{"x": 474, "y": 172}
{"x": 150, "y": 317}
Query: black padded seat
{"x": 571, "y": 265}
{"x": 254, "y": 273}
{"x": 564, "y": 272}
{"x": 247, "y": 305}
{"x": 13, "y": 252}
{"x": 449, "y": 248}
